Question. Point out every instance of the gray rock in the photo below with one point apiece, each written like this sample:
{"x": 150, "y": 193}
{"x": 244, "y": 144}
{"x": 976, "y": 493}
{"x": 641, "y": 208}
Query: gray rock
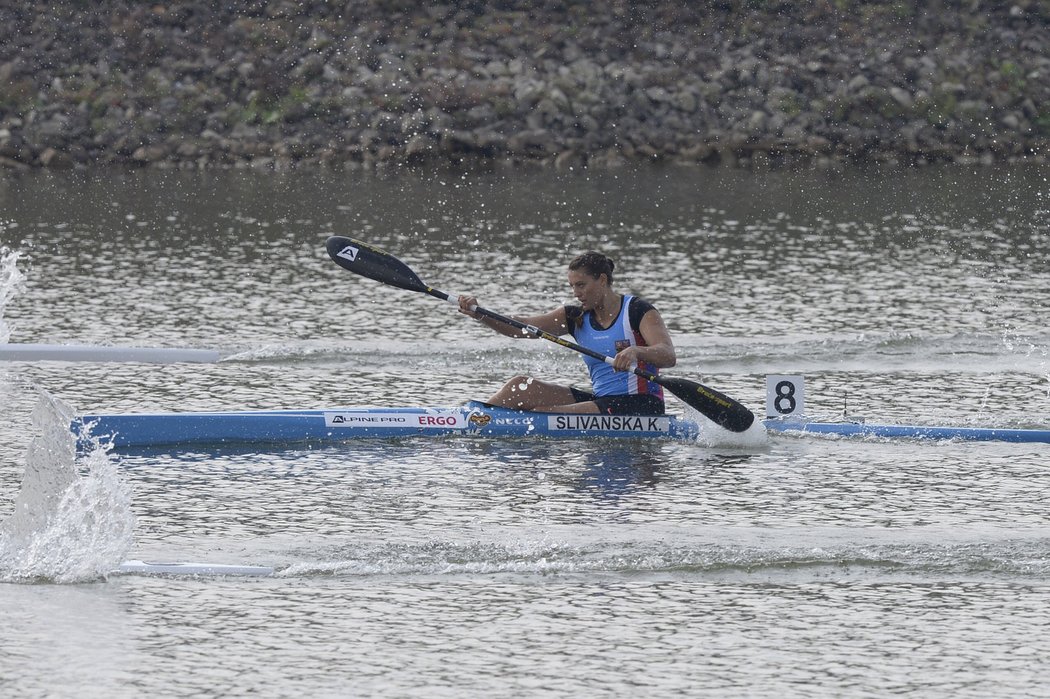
{"x": 902, "y": 97}
{"x": 391, "y": 80}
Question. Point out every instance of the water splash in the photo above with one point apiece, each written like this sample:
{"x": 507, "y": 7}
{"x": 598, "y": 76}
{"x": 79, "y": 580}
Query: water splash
{"x": 72, "y": 519}
{"x": 12, "y": 282}
{"x": 712, "y": 435}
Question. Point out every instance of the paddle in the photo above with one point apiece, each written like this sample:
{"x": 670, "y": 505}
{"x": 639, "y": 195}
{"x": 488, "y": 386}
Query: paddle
{"x": 362, "y": 258}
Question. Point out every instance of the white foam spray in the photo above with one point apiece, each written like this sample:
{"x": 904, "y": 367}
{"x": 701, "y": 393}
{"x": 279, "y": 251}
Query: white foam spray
{"x": 12, "y": 282}
{"x": 72, "y": 518}
{"x": 712, "y": 435}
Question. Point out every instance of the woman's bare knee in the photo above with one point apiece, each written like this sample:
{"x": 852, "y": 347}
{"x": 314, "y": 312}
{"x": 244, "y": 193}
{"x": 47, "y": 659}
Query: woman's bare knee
{"x": 513, "y": 392}
{"x": 527, "y": 393}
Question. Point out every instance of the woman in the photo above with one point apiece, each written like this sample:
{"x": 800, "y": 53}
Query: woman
{"x": 625, "y": 327}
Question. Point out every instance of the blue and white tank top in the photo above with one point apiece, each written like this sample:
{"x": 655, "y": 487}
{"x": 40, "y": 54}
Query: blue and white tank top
{"x": 622, "y": 333}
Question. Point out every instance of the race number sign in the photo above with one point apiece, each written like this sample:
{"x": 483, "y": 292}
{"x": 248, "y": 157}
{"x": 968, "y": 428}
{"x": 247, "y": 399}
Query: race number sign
{"x": 785, "y": 396}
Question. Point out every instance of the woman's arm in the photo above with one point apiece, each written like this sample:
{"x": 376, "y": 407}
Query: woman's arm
{"x": 658, "y": 350}
{"x": 553, "y": 322}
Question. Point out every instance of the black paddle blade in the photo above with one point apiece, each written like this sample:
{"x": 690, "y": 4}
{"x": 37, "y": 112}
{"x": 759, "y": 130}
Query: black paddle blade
{"x": 717, "y": 407}
{"x": 362, "y": 258}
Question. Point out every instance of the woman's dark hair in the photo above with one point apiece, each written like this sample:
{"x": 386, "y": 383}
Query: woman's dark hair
{"x": 594, "y": 264}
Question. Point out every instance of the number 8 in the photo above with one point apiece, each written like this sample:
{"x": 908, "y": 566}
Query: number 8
{"x": 785, "y": 391}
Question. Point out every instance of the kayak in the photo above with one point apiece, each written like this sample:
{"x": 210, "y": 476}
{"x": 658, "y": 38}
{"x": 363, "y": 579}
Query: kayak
{"x": 291, "y": 427}
{"x": 147, "y": 430}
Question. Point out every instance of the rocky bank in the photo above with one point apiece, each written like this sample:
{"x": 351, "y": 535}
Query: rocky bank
{"x": 759, "y": 83}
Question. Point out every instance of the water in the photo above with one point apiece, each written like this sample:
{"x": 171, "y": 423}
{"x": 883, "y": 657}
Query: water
{"x": 462, "y": 566}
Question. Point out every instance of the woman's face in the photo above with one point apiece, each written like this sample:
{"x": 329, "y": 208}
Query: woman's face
{"x": 587, "y": 290}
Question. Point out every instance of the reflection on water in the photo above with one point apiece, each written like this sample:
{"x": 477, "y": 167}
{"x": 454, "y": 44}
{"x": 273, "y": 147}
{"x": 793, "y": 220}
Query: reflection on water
{"x": 607, "y": 469}
{"x": 617, "y": 471}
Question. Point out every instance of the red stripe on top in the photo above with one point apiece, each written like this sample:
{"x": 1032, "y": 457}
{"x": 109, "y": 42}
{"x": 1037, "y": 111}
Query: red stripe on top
{"x": 645, "y": 385}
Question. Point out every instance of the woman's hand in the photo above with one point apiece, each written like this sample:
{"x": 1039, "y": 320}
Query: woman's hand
{"x": 627, "y": 358}
{"x": 467, "y": 304}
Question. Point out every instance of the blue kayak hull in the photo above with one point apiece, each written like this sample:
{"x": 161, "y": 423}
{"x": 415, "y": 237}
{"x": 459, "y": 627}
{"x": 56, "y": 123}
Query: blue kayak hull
{"x": 860, "y": 429}
{"x": 288, "y": 427}
{"x": 143, "y": 430}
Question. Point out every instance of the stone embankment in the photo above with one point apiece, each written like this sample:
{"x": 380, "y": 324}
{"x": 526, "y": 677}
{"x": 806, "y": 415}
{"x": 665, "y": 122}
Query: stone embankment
{"x": 755, "y": 83}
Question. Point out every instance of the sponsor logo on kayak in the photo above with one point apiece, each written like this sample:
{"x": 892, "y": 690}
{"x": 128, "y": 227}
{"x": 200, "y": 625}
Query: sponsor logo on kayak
{"x": 366, "y": 419}
{"x": 449, "y": 420}
{"x": 392, "y": 420}
{"x": 608, "y": 423}
{"x": 514, "y": 421}
{"x": 348, "y": 253}
{"x": 479, "y": 419}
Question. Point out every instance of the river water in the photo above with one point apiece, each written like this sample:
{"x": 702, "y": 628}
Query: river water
{"x": 472, "y": 567}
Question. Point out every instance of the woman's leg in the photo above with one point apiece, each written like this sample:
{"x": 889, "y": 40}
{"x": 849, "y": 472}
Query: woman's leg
{"x": 526, "y": 393}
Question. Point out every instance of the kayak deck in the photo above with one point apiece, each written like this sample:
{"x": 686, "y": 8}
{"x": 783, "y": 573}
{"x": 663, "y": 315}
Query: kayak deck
{"x": 287, "y": 427}
{"x": 143, "y": 430}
